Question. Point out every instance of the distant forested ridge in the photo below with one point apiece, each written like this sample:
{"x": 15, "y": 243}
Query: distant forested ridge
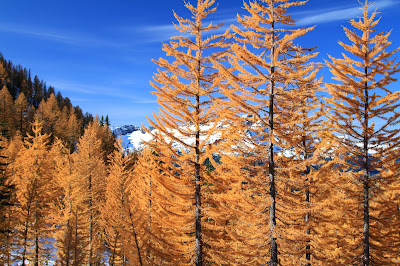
{"x": 41, "y": 132}
{"x": 23, "y": 96}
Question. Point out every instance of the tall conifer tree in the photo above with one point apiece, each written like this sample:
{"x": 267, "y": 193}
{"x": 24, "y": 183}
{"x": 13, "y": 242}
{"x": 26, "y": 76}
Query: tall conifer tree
{"x": 10, "y": 212}
{"x": 122, "y": 233}
{"x": 7, "y": 113}
{"x": 270, "y": 79}
{"x": 7, "y": 203}
{"x": 33, "y": 182}
{"x": 144, "y": 206}
{"x": 21, "y": 113}
{"x": 364, "y": 121}
{"x": 69, "y": 211}
{"x": 49, "y": 112}
{"x": 90, "y": 170}
{"x": 185, "y": 92}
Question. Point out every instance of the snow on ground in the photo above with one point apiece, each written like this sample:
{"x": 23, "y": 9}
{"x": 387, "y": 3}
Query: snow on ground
{"x": 136, "y": 140}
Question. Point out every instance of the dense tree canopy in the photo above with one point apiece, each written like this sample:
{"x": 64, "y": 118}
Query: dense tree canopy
{"x": 253, "y": 160}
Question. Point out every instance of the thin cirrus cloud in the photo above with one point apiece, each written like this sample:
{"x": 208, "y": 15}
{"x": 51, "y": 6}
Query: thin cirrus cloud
{"x": 164, "y": 32}
{"x": 160, "y": 33}
{"x": 326, "y": 16}
{"x": 101, "y": 91}
{"x": 50, "y": 35}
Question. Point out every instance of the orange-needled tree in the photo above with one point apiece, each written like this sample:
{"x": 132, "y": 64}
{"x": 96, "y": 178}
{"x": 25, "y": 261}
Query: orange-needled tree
{"x": 7, "y": 202}
{"x": 33, "y": 183}
{"x": 120, "y": 221}
{"x": 69, "y": 209}
{"x": 364, "y": 122}
{"x": 184, "y": 89}
{"x": 90, "y": 170}
{"x": 271, "y": 85}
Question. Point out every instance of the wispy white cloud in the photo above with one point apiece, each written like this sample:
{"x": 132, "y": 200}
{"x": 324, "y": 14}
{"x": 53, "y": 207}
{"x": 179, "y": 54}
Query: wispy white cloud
{"x": 164, "y": 32}
{"x": 79, "y": 100}
{"x": 101, "y": 91}
{"x": 71, "y": 87}
{"x": 330, "y": 15}
{"x": 57, "y": 36}
{"x": 158, "y": 33}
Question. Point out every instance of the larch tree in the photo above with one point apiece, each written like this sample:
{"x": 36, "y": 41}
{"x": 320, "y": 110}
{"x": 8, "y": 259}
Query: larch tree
{"x": 299, "y": 193}
{"x": 6, "y": 188}
{"x": 364, "y": 121}
{"x": 4, "y": 78}
{"x": 60, "y": 127}
{"x": 68, "y": 209}
{"x": 49, "y": 112}
{"x": 15, "y": 144}
{"x": 270, "y": 82}
{"x": 7, "y": 111}
{"x": 21, "y": 113}
{"x": 121, "y": 230}
{"x": 90, "y": 170}
{"x": 73, "y": 129}
{"x": 144, "y": 207}
{"x": 7, "y": 202}
{"x": 10, "y": 209}
{"x": 185, "y": 92}
{"x": 67, "y": 127}
{"x": 33, "y": 183}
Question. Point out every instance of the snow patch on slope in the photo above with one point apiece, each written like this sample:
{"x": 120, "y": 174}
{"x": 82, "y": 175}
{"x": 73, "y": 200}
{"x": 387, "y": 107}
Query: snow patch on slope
{"x": 136, "y": 140}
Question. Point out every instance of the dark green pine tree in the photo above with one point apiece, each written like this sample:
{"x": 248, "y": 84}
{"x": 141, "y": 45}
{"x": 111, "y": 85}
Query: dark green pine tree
{"x": 107, "y": 122}
{"x": 37, "y": 91}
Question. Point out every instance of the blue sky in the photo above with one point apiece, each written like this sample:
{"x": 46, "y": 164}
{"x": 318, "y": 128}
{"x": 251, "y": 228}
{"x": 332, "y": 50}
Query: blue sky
{"x": 98, "y": 53}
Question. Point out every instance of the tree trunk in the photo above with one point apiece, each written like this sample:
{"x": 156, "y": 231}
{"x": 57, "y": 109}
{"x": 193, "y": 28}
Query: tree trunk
{"x": 199, "y": 243}
{"x": 90, "y": 218}
{"x": 36, "y": 261}
{"x": 271, "y": 163}
{"x": 90, "y": 223}
{"x": 69, "y": 229}
{"x": 112, "y": 259}
{"x": 199, "y": 240}
{"x": 366, "y": 255}
{"x": 25, "y": 241}
{"x": 76, "y": 238}
{"x": 307, "y": 199}
{"x": 25, "y": 235}
{"x": 136, "y": 240}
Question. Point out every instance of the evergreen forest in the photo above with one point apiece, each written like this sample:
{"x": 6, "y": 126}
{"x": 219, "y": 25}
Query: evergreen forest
{"x": 273, "y": 165}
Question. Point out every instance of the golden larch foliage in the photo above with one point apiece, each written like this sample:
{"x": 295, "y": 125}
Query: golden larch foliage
{"x": 33, "y": 183}
{"x": 7, "y": 113}
{"x": 123, "y": 234}
{"x": 67, "y": 127}
{"x": 270, "y": 83}
{"x": 185, "y": 91}
{"x": 69, "y": 210}
{"x": 363, "y": 122}
{"x": 89, "y": 168}
{"x": 155, "y": 244}
{"x": 7, "y": 211}
{"x": 22, "y": 113}
{"x": 49, "y": 112}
